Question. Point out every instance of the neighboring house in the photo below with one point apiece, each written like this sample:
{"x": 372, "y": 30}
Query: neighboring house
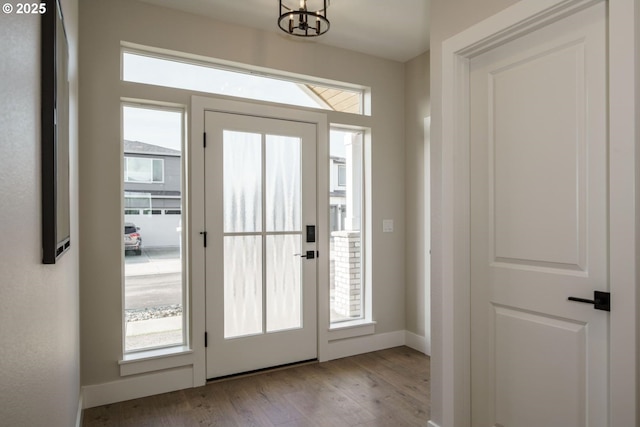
{"x": 151, "y": 179}
{"x": 152, "y": 193}
{"x": 338, "y": 192}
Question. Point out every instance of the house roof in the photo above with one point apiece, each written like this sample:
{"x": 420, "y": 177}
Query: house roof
{"x": 338, "y": 100}
{"x": 139, "y": 147}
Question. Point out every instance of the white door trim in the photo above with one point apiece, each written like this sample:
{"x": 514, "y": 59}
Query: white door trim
{"x": 196, "y": 201}
{"x": 455, "y": 285}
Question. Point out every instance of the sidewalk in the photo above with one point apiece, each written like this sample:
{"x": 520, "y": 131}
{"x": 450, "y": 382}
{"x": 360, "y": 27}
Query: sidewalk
{"x": 159, "y": 331}
{"x": 153, "y": 261}
{"x": 153, "y": 326}
{"x": 154, "y": 332}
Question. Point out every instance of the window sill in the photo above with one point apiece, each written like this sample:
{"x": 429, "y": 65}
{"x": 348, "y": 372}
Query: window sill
{"x": 356, "y": 328}
{"x": 155, "y": 360}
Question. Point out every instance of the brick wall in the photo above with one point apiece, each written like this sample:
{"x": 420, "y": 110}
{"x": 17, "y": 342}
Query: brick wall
{"x": 348, "y": 277}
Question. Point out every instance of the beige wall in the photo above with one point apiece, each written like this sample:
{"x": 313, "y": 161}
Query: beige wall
{"x": 103, "y": 26}
{"x": 39, "y": 332}
{"x": 448, "y": 17}
{"x": 637, "y": 160}
{"x": 417, "y": 108}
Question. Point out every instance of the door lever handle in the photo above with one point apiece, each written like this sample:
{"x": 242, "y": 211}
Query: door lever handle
{"x": 308, "y": 255}
{"x": 601, "y": 300}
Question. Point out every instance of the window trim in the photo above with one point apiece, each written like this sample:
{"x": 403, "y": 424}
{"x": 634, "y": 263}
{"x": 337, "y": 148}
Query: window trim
{"x": 351, "y": 329}
{"x": 155, "y": 359}
{"x": 197, "y": 101}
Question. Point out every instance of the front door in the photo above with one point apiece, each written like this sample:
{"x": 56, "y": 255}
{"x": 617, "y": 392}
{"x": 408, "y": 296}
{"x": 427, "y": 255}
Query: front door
{"x": 260, "y": 192}
{"x": 539, "y": 203}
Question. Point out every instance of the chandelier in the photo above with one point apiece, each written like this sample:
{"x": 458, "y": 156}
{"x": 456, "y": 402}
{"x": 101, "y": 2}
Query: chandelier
{"x": 302, "y": 22}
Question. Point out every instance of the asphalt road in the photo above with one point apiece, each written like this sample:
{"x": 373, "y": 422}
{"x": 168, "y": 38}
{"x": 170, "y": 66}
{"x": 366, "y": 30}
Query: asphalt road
{"x": 153, "y": 279}
{"x": 153, "y": 290}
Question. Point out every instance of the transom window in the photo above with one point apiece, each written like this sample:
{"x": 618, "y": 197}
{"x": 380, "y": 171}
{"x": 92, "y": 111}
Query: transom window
{"x": 180, "y": 73}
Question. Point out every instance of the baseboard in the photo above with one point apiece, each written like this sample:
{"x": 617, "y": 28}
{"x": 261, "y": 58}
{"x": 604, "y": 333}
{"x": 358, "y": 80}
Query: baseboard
{"x": 417, "y": 342}
{"x": 181, "y": 378}
{"x": 364, "y": 344}
{"x": 137, "y": 387}
{"x": 432, "y": 424}
{"x": 80, "y": 407}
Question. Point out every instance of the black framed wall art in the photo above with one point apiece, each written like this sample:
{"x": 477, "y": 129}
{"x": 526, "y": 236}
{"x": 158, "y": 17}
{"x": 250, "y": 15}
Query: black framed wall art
{"x": 56, "y": 226}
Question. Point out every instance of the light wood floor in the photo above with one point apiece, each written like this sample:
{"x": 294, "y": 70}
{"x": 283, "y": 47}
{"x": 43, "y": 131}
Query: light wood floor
{"x": 384, "y": 388}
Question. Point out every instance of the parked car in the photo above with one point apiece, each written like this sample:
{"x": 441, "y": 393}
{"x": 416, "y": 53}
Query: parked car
{"x": 132, "y": 238}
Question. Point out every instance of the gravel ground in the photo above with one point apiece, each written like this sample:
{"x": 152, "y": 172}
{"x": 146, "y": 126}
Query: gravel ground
{"x": 153, "y": 312}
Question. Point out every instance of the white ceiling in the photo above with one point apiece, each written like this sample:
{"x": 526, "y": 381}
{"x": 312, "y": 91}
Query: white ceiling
{"x": 392, "y": 29}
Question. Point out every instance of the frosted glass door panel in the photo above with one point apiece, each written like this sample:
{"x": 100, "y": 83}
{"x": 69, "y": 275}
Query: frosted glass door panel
{"x": 284, "y": 291}
{"x": 242, "y": 157}
{"x": 260, "y": 193}
{"x": 242, "y": 285}
{"x": 283, "y": 180}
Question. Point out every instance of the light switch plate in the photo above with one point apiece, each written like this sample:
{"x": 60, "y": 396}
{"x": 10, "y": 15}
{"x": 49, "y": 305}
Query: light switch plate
{"x": 387, "y": 226}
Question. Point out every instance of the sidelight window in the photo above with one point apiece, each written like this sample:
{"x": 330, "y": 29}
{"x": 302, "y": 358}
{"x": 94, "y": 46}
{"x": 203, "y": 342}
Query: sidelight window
{"x": 346, "y": 241}
{"x": 152, "y": 216}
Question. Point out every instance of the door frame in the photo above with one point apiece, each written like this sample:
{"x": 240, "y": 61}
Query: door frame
{"x": 454, "y": 294}
{"x": 196, "y": 170}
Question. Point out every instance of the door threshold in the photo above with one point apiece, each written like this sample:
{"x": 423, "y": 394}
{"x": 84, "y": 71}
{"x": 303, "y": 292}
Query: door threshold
{"x": 261, "y": 371}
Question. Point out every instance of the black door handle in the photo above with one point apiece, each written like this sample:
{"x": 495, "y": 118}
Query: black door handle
{"x": 601, "y": 300}
{"x": 308, "y": 255}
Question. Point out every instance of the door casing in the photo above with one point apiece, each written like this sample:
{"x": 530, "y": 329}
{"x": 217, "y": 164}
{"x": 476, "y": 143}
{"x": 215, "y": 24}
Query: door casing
{"x": 454, "y": 404}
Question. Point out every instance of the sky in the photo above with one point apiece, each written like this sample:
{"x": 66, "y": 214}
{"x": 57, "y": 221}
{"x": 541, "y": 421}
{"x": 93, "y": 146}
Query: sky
{"x": 184, "y": 75}
{"x": 153, "y": 126}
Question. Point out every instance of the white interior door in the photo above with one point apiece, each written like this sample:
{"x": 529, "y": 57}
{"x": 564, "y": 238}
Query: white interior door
{"x": 260, "y": 190}
{"x": 538, "y": 158}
